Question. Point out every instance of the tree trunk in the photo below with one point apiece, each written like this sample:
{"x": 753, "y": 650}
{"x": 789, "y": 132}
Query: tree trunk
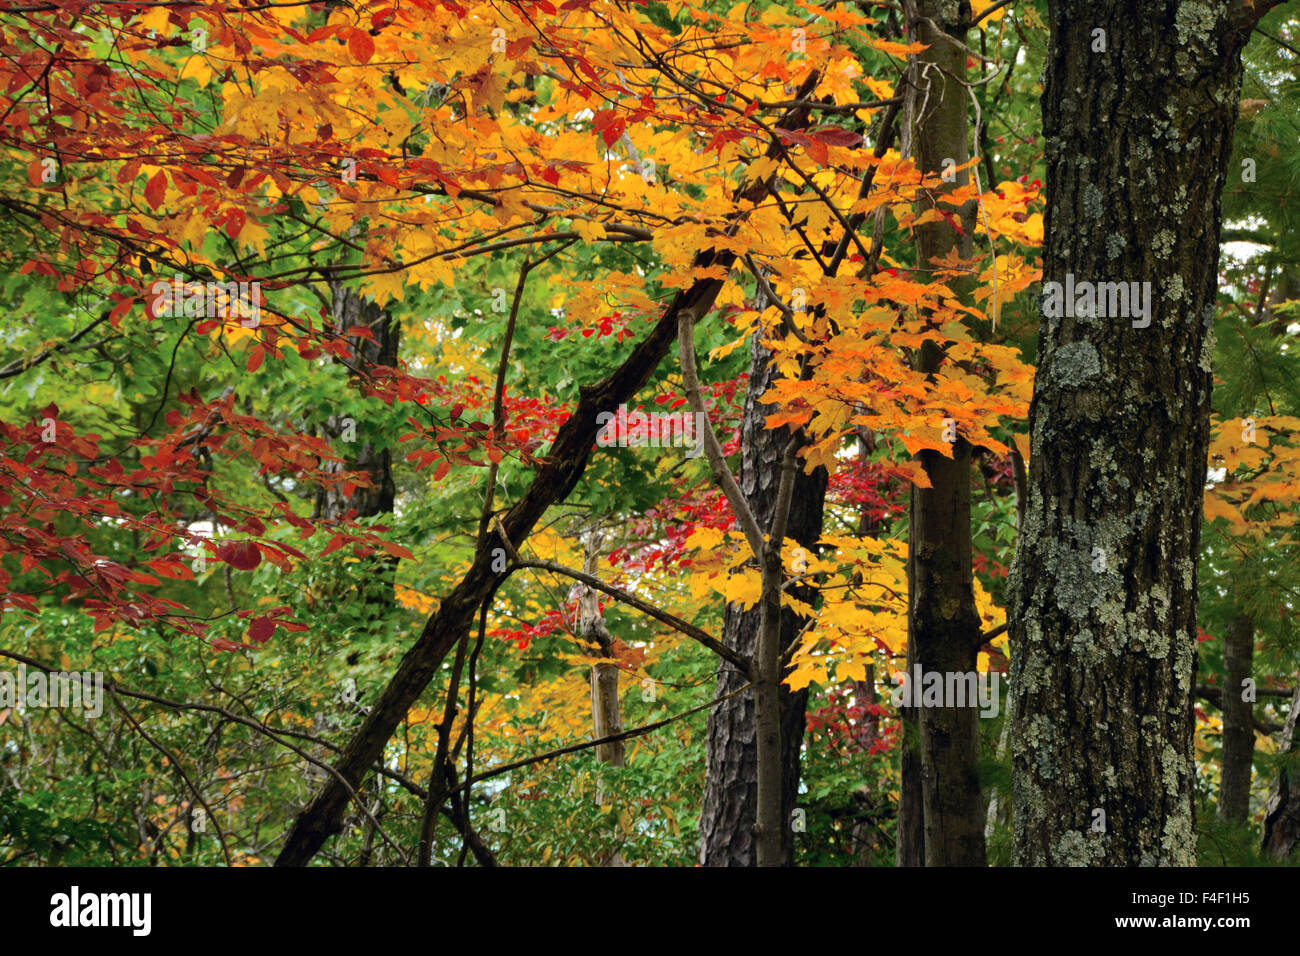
{"x": 351, "y": 310}
{"x": 944, "y": 628}
{"x": 862, "y": 837}
{"x": 731, "y": 757}
{"x": 941, "y": 744}
{"x": 606, "y": 721}
{"x": 376, "y": 586}
{"x": 606, "y": 714}
{"x": 1238, "y": 722}
{"x": 1103, "y": 591}
{"x": 1282, "y": 814}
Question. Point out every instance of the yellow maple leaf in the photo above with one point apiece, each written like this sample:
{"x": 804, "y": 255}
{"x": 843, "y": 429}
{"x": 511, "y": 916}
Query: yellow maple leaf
{"x": 743, "y": 588}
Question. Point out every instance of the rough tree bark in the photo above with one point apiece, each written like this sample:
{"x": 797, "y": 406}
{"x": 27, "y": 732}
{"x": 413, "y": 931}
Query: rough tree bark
{"x": 1282, "y": 813}
{"x": 941, "y": 809}
{"x": 864, "y": 829}
{"x": 731, "y": 760}
{"x": 1238, "y": 722}
{"x": 1139, "y": 106}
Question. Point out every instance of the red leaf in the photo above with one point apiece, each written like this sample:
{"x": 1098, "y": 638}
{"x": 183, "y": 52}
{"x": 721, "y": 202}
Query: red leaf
{"x": 336, "y": 542}
{"x": 156, "y": 189}
{"x": 123, "y": 306}
{"x": 261, "y": 629}
{"x": 792, "y": 136}
{"x": 613, "y": 131}
{"x": 396, "y": 550}
{"x": 172, "y": 569}
{"x": 836, "y": 136}
{"x": 322, "y": 33}
{"x": 243, "y": 555}
{"x": 255, "y": 357}
{"x": 361, "y": 45}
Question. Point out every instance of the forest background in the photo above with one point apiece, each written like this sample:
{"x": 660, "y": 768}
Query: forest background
{"x": 329, "y": 327}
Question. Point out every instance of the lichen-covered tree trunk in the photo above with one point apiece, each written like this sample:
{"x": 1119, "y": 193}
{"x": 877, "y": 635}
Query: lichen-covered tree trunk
{"x": 940, "y": 743}
{"x": 1238, "y": 722}
{"x": 1138, "y": 107}
{"x": 731, "y": 757}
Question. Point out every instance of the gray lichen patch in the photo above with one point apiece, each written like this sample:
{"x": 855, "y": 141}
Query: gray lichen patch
{"x": 1195, "y": 21}
{"x": 1180, "y": 204}
{"x": 1205, "y": 361}
{"x": 1185, "y": 662}
{"x": 1154, "y": 642}
{"x": 1162, "y": 244}
{"x": 1195, "y": 25}
{"x": 1076, "y": 849}
{"x": 1179, "y": 841}
{"x": 1174, "y": 290}
{"x": 1087, "y": 649}
{"x": 1093, "y": 201}
{"x": 1074, "y": 364}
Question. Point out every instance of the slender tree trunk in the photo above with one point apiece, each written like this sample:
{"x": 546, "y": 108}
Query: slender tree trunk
{"x": 1238, "y": 722}
{"x": 1286, "y": 288}
{"x": 909, "y": 839}
{"x": 731, "y": 756}
{"x": 377, "y": 586}
{"x": 944, "y": 628}
{"x": 606, "y": 714}
{"x": 1103, "y": 591}
{"x": 862, "y": 839}
{"x": 772, "y": 829}
{"x": 1282, "y": 814}
{"x": 606, "y": 721}
{"x": 941, "y": 813}
{"x": 606, "y": 717}
{"x": 351, "y": 310}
